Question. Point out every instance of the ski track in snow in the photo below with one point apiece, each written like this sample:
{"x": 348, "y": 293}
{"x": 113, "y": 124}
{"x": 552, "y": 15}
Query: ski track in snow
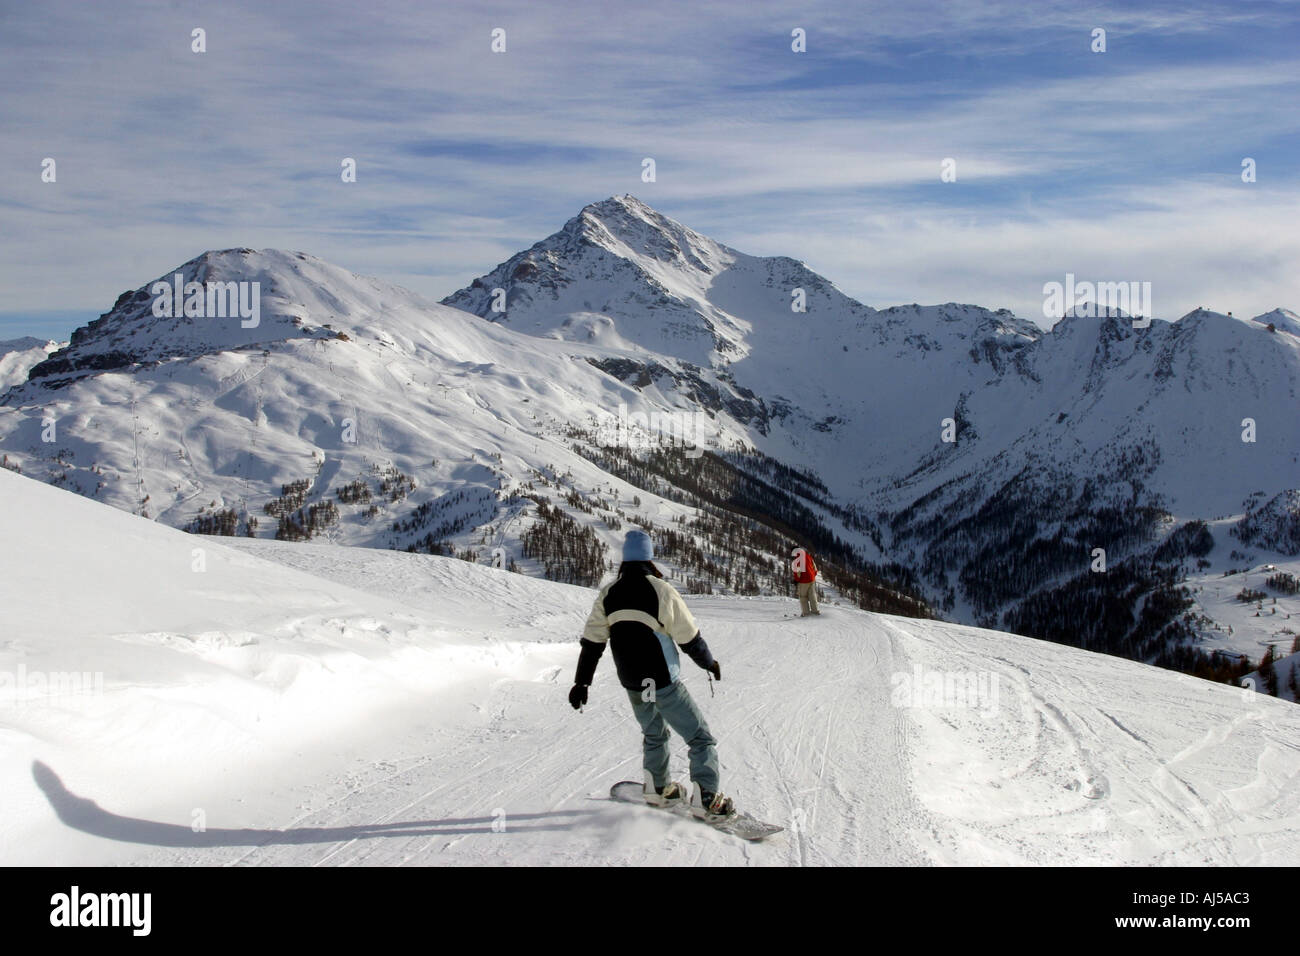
{"x": 831, "y": 767}
{"x": 1226, "y": 795}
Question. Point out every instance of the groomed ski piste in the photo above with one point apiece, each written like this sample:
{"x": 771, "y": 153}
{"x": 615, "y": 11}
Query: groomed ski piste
{"x": 180, "y": 700}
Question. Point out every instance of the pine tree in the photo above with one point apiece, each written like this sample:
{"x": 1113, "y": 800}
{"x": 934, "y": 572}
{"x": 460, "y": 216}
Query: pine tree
{"x": 1268, "y": 673}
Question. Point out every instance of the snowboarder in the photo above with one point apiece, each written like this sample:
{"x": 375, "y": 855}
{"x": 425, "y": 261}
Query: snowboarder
{"x": 804, "y": 571}
{"x": 645, "y": 620}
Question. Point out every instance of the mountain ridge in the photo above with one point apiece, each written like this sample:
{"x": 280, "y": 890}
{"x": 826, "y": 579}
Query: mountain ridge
{"x": 927, "y": 431}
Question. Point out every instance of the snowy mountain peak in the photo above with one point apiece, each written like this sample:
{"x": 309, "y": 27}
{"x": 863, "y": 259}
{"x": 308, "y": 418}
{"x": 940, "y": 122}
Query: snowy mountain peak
{"x": 1282, "y": 320}
{"x": 1002, "y": 323}
{"x": 623, "y": 275}
{"x": 628, "y": 204}
{"x": 629, "y": 228}
{"x": 24, "y": 343}
{"x": 221, "y": 300}
{"x": 618, "y": 274}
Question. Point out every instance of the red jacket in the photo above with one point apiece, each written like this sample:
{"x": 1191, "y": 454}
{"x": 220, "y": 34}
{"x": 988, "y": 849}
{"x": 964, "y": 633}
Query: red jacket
{"x": 803, "y": 567}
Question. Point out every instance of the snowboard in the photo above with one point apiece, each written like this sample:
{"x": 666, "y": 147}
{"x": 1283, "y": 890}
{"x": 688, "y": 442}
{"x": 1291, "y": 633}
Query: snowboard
{"x": 737, "y": 824}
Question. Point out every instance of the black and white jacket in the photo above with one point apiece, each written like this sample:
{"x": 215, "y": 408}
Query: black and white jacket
{"x": 644, "y": 619}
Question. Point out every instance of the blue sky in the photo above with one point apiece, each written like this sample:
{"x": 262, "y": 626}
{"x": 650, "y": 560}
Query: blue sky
{"x": 1123, "y": 165}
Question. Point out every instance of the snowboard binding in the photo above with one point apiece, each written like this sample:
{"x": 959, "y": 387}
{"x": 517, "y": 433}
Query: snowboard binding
{"x": 666, "y": 796}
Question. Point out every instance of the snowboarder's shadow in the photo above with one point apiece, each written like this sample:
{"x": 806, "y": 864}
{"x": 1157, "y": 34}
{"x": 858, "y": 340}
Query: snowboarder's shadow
{"x": 87, "y": 816}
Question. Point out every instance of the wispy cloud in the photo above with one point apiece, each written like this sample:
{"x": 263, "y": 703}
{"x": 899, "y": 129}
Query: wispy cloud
{"x": 1066, "y": 159}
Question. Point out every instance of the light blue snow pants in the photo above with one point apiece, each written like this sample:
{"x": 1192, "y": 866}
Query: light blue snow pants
{"x": 674, "y": 708}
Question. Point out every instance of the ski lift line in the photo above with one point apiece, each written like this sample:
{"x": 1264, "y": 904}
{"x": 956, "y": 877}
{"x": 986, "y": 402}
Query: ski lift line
{"x": 139, "y": 472}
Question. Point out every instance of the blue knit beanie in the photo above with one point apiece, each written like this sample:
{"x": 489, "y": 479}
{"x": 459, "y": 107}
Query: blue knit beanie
{"x": 637, "y": 546}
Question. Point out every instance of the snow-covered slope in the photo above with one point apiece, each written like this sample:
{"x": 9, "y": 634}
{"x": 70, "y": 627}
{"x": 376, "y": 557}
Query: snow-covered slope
{"x": 296, "y": 704}
{"x": 1106, "y": 437}
{"x": 1245, "y": 612}
{"x": 1096, "y": 388}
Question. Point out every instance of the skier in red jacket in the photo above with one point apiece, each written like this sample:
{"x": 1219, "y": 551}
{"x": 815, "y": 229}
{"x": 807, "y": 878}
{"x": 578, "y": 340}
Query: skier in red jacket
{"x": 804, "y": 570}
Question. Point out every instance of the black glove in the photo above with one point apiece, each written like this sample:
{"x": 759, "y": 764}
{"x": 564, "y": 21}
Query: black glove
{"x": 578, "y": 695}
{"x": 716, "y": 670}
